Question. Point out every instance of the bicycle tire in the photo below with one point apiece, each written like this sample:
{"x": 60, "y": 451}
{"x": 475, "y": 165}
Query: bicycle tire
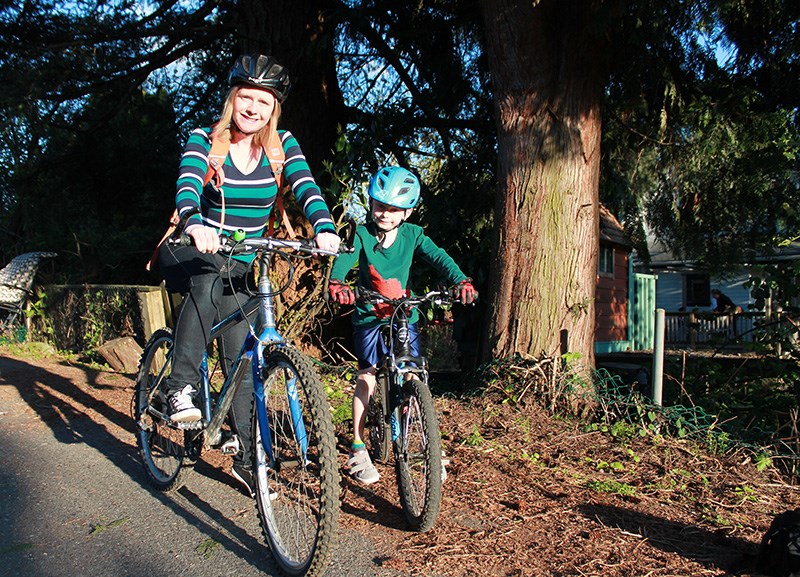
{"x": 298, "y": 498}
{"x": 379, "y": 433}
{"x": 168, "y": 454}
{"x": 418, "y": 457}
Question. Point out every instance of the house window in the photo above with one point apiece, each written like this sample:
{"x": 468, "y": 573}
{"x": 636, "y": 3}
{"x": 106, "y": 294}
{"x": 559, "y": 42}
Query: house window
{"x": 698, "y": 291}
{"x": 605, "y": 262}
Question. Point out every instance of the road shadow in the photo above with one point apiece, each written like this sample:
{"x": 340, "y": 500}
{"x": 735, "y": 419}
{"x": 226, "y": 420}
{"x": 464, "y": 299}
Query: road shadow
{"x": 728, "y": 553}
{"x": 62, "y": 405}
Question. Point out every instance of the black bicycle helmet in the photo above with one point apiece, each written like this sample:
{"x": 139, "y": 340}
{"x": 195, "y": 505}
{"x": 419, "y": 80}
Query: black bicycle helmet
{"x": 262, "y": 72}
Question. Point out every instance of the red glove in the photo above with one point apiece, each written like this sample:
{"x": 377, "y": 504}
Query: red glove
{"x": 466, "y": 293}
{"x": 341, "y": 293}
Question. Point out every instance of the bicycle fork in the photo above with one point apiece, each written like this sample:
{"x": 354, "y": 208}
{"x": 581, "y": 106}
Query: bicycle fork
{"x": 293, "y": 398}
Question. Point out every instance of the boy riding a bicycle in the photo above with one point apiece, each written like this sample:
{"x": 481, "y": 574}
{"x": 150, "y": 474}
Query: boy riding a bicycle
{"x": 384, "y": 250}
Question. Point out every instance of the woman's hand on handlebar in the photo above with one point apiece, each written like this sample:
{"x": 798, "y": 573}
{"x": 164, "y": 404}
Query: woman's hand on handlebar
{"x": 328, "y": 241}
{"x": 205, "y": 238}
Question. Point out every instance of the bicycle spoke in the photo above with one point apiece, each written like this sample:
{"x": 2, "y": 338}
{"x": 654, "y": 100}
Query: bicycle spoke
{"x": 418, "y": 458}
{"x": 297, "y": 479}
{"x": 163, "y": 448}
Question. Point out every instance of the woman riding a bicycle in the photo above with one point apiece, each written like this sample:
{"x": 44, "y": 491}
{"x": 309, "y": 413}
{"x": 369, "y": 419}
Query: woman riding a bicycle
{"x": 384, "y": 250}
{"x": 240, "y": 195}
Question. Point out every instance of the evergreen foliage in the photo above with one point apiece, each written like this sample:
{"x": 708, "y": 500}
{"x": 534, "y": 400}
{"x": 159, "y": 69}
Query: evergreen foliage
{"x": 700, "y": 119}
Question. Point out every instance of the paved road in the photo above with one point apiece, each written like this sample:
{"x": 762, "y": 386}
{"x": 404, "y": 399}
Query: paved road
{"x": 74, "y": 499}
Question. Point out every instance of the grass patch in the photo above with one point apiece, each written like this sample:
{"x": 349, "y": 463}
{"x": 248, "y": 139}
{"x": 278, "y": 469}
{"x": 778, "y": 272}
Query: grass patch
{"x": 613, "y": 487}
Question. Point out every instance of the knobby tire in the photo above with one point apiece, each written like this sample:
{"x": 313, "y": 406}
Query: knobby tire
{"x": 298, "y": 498}
{"x": 418, "y": 457}
{"x": 168, "y": 454}
{"x": 379, "y": 432}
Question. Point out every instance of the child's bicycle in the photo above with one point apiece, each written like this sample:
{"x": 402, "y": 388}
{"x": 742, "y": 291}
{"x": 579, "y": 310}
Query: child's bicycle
{"x": 401, "y": 417}
{"x": 294, "y": 455}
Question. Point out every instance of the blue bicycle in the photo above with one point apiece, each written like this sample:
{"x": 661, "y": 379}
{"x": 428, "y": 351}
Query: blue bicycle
{"x": 294, "y": 454}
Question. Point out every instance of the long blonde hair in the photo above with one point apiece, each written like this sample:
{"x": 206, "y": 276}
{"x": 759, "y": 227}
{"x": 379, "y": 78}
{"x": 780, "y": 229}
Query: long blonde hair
{"x": 221, "y": 129}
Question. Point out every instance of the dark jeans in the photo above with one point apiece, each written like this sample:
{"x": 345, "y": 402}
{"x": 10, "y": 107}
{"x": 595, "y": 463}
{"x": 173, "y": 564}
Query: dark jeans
{"x": 208, "y": 296}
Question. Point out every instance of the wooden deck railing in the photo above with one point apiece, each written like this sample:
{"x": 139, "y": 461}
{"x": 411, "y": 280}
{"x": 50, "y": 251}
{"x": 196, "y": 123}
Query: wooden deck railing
{"x": 703, "y": 328}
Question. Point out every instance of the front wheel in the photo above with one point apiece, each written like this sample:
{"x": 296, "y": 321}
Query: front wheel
{"x": 418, "y": 456}
{"x": 295, "y": 464}
{"x": 167, "y": 452}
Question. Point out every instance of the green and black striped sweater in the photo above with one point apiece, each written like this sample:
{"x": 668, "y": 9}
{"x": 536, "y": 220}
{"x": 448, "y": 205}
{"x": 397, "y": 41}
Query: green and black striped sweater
{"x": 249, "y": 198}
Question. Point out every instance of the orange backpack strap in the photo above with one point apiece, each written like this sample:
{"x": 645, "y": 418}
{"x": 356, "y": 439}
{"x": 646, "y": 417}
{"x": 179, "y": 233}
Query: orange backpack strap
{"x": 277, "y": 157}
{"x": 216, "y": 158}
{"x": 173, "y": 223}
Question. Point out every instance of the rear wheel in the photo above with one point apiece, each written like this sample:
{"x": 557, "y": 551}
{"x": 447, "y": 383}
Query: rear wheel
{"x": 418, "y": 457}
{"x": 167, "y": 453}
{"x": 379, "y": 433}
{"x": 297, "y": 479}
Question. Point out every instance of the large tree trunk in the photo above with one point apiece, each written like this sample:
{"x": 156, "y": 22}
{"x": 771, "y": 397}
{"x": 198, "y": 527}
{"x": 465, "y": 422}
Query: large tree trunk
{"x": 301, "y": 36}
{"x": 547, "y": 82}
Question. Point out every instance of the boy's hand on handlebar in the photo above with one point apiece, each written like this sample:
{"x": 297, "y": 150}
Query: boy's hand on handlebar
{"x": 341, "y": 293}
{"x": 206, "y": 239}
{"x": 328, "y": 241}
{"x": 465, "y": 292}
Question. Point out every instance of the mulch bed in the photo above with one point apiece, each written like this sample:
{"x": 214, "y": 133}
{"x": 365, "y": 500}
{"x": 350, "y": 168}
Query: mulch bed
{"x": 530, "y": 495}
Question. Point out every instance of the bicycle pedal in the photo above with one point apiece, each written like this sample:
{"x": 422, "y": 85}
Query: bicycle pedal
{"x": 190, "y": 426}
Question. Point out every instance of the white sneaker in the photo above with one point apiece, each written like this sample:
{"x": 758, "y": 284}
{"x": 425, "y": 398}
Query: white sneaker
{"x": 181, "y": 406}
{"x": 361, "y": 467}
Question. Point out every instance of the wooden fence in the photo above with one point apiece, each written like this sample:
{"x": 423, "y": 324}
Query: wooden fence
{"x": 698, "y": 329}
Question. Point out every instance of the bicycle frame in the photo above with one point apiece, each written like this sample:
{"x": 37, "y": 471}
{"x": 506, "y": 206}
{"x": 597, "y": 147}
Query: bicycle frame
{"x": 250, "y": 357}
{"x": 395, "y": 365}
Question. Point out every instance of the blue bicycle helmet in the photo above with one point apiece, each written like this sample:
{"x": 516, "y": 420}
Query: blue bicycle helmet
{"x": 261, "y": 72}
{"x": 395, "y": 186}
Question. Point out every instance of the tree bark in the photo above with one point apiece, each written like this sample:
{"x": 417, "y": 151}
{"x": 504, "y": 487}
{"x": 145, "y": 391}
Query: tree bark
{"x": 301, "y": 36}
{"x": 547, "y": 80}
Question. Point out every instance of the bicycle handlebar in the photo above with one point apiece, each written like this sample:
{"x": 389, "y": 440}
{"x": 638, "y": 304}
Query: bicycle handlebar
{"x": 269, "y": 243}
{"x": 448, "y": 296}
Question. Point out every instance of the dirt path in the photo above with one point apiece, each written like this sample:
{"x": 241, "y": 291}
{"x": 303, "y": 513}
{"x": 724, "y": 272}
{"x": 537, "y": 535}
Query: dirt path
{"x": 527, "y": 495}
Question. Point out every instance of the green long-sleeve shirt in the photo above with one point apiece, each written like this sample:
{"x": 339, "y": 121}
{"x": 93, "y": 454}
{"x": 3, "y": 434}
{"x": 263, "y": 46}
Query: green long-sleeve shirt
{"x": 387, "y": 270}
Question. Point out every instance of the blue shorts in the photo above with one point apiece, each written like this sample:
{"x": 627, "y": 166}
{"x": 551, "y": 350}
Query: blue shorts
{"x": 370, "y": 347}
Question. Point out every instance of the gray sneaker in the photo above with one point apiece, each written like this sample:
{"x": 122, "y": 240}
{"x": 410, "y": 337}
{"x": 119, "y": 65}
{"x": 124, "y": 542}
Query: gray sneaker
{"x": 181, "y": 406}
{"x": 361, "y": 467}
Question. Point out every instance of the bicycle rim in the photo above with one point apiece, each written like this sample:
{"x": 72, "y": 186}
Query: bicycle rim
{"x": 298, "y": 494}
{"x": 162, "y": 448}
{"x": 418, "y": 457}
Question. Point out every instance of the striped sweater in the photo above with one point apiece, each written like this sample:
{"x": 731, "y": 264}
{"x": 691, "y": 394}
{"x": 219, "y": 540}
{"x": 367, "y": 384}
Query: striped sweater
{"x": 248, "y": 198}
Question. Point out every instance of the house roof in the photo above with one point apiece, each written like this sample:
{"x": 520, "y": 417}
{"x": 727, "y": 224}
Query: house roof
{"x": 661, "y": 258}
{"x": 611, "y": 230}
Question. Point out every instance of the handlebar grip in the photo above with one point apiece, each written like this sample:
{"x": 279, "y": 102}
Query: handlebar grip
{"x": 181, "y": 225}
{"x": 226, "y": 244}
{"x": 454, "y": 293}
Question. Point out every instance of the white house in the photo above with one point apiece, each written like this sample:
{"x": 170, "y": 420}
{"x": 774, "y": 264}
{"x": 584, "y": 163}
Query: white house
{"x": 682, "y": 285}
